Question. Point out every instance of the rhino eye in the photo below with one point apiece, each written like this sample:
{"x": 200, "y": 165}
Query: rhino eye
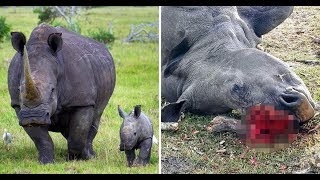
{"x": 135, "y": 133}
{"x": 239, "y": 91}
{"x": 236, "y": 88}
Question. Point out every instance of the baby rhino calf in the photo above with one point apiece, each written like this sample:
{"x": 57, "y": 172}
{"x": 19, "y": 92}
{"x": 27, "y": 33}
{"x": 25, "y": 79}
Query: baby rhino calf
{"x": 136, "y": 132}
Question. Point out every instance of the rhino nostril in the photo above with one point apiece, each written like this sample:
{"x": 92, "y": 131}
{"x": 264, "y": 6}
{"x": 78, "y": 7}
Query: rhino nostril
{"x": 290, "y": 100}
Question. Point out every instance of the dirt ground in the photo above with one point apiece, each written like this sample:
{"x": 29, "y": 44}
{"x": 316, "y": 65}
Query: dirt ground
{"x": 192, "y": 149}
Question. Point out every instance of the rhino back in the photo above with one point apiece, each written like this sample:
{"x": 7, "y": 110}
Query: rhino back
{"x": 89, "y": 71}
{"x": 188, "y": 25}
{"x": 209, "y": 35}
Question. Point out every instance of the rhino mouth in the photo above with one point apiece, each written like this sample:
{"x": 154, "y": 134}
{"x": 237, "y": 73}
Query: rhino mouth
{"x": 34, "y": 118}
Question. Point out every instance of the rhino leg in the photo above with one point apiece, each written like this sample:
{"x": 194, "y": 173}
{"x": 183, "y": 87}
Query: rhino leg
{"x": 145, "y": 152}
{"x": 131, "y": 155}
{"x": 79, "y": 126}
{"x": 92, "y": 134}
{"x": 43, "y": 142}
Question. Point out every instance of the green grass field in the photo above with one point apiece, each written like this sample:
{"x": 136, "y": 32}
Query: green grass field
{"x": 137, "y": 82}
{"x": 192, "y": 149}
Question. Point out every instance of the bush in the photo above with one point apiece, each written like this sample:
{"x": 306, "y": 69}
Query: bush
{"x": 4, "y": 28}
{"x": 48, "y": 14}
{"x": 45, "y": 14}
{"x": 74, "y": 26}
{"x": 103, "y": 36}
{"x": 58, "y": 23}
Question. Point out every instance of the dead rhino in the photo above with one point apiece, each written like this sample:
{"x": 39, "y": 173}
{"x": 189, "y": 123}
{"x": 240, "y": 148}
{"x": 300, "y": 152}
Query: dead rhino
{"x": 210, "y": 63}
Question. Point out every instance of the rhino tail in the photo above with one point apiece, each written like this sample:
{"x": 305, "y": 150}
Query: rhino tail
{"x": 172, "y": 111}
{"x": 154, "y": 140}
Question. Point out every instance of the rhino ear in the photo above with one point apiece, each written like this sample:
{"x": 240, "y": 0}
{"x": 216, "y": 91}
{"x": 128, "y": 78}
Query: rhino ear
{"x": 137, "y": 111}
{"x": 55, "y": 42}
{"x": 121, "y": 112}
{"x": 18, "y": 40}
{"x": 263, "y": 19}
{"x": 172, "y": 111}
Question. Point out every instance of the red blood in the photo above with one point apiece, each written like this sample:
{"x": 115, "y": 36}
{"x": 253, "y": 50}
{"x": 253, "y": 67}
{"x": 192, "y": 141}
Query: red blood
{"x": 265, "y": 125}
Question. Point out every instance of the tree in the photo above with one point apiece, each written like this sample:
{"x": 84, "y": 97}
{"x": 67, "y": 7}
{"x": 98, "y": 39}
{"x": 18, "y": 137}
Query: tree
{"x": 49, "y": 13}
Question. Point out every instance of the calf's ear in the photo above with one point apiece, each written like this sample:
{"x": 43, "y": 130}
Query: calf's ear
{"x": 18, "y": 40}
{"x": 55, "y": 42}
{"x": 137, "y": 111}
{"x": 121, "y": 112}
{"x": 172, "y": 111}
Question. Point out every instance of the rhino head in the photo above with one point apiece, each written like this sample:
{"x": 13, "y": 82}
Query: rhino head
{"x": 39, "y": 74}
{"x": 129, "y": 131}
{"x": 264, "y": 79}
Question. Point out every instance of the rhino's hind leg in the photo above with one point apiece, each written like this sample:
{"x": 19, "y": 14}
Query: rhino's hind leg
{"x": 43, "y": 142}
{"x": 89, "y": 152}
{"x": 145, "y": 152}
{"x": 79, "y": 126}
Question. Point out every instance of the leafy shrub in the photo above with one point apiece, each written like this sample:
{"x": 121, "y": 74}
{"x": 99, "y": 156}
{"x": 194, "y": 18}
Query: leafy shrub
{"x": 45, "y": 14}
{"x": 58, "y": 23}
{"x": 48, "y": 14}
{"x": 4, "y": 28}
{"x": 74, "y": 26}
{"x": 103, "y": 36}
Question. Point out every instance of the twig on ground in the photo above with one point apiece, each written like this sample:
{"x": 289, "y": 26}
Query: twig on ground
{"x": 309, "y": 62}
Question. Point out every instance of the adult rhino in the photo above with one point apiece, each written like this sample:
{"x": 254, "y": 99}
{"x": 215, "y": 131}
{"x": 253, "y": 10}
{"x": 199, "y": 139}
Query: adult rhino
{"x": 60, "y": 81}
{"x": 210, "y": 63}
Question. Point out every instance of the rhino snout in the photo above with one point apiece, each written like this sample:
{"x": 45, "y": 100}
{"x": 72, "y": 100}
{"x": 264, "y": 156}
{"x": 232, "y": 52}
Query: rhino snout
{"x": 298, "y": 103}
{"x": 126, "y": 146}
{"x": 34, "y": 118}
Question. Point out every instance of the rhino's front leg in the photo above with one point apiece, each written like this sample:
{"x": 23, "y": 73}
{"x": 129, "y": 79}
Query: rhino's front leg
{"x": 131, "y": 155}
{"x": 43, "y": 142}
{"x": 79, "y": 126}
{"x": 145, "y": 152}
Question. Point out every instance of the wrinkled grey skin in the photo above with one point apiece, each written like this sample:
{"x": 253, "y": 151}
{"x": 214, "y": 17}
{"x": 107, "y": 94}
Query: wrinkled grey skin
{"x": 210, "y": 63}
{"x": 72, "y": 80}
{"x": 136, "y": 132}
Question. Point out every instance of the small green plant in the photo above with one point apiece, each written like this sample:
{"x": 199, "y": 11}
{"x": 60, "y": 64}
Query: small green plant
{"x": 103, "y": 36}
{"x": 74, "y": 26}
{"x": 58, "y": 23}
{"x": 4, "y": 28}
{"x": 45, "y": 14}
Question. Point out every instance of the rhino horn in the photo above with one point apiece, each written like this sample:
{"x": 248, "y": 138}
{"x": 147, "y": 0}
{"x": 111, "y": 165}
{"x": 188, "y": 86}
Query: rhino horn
{"x": 31, "y": 91}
